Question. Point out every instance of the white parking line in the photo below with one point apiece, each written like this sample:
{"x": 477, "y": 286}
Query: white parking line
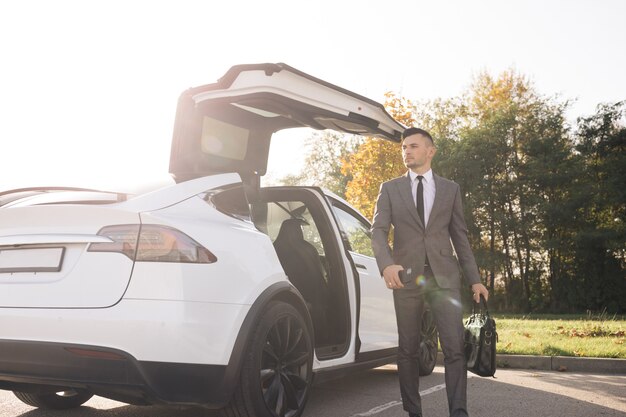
{"x": 378, "y": 409}
{"x": 381, "y": 408}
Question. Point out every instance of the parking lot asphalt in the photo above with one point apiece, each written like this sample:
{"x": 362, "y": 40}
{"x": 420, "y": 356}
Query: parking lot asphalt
{"x": 375, "y": 393}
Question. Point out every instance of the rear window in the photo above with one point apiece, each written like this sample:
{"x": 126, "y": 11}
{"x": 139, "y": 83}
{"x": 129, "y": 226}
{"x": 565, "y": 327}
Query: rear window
{"x": 231, "y": 201}
{"x": 223, "y": 139}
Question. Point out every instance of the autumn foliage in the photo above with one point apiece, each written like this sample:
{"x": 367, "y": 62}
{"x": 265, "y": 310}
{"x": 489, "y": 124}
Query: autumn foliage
{"x": 376, "y": 160}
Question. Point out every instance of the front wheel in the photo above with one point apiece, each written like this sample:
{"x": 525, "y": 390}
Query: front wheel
{"x": 61, "y": 400}
{"x": 277, "y": 369}
{"x": 428, "y": 344}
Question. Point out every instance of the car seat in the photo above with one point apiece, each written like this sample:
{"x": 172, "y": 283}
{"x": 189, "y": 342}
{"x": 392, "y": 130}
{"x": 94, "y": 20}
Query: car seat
{"x": 303, "y": 267}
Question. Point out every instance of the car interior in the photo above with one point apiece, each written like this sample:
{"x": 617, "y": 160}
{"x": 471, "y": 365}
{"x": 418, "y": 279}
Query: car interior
{"x": 295, "y": 220}
{"x": 303, "y": 239}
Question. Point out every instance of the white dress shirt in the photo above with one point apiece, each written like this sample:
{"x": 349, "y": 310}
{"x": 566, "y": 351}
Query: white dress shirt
{"x": 429, "y": 191}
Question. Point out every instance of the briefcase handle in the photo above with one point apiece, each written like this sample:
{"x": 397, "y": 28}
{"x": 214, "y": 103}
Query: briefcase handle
{"x": 480, "y": 304}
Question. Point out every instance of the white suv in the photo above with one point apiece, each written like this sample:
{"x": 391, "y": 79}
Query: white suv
{"x": 213, "y": 291}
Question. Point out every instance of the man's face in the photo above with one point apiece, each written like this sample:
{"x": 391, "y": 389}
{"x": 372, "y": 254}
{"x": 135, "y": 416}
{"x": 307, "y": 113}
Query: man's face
{"x": 417, "y": 152}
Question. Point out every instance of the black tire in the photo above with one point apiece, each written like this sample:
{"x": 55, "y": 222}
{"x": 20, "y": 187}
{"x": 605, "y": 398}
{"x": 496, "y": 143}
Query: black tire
{"x": 428, "y": 345}
{"x": 277, "y": 370}
{"x": 61, "y": 400}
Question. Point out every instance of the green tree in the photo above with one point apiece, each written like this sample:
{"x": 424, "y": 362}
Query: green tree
{"x": 600, "y": 245}
{"x": 545, "y": 206}
{"x": 486, "y": 145}
{"x": 485, "y": 140}
{"x": 326, "y": 151}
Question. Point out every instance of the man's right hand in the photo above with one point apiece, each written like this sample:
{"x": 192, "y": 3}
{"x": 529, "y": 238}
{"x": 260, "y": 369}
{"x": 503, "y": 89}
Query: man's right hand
{"x": 392, "y": 278}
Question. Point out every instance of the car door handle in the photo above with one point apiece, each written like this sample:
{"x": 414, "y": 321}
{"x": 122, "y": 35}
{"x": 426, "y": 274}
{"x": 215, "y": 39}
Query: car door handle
{"x": 359, "y": 266}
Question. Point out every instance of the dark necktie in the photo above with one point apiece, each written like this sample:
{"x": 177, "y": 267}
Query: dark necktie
{"x": 419, "y": 199}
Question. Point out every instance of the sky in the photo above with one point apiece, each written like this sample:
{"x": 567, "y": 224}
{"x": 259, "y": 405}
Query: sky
{"x": 88, "y": 88}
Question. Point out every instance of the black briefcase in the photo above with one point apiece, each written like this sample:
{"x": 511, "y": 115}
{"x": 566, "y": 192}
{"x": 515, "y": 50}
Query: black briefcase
{"x": 480, "y": 340}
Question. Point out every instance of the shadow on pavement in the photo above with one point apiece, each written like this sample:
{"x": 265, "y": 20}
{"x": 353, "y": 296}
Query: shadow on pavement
{"x": 375, "y": 393}
{"x": 514, "y": 393}
{"x": 550, "y": 396}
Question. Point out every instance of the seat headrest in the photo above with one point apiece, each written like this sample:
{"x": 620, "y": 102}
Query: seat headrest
{"x": 290, "y": 231}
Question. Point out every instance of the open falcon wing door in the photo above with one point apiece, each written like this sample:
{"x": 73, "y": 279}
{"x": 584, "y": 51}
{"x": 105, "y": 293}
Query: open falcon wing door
{"x": 227, "y": 126}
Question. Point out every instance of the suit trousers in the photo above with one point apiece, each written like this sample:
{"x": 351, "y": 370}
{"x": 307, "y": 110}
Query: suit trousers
{"x": 445, "y": 305}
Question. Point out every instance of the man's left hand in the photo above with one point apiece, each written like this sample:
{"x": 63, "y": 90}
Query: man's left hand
{"x": 478, "y": 290}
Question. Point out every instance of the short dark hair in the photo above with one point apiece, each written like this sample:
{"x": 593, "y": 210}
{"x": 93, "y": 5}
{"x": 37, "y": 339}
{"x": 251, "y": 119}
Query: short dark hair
{"x": 416, "y": 131}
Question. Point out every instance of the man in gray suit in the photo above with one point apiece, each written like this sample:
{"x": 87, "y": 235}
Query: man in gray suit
{"x": 426, "y": 213}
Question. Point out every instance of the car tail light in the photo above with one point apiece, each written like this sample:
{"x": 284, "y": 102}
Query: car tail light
{"x": 124, "y": 239}
{"x": 152, "y": 243}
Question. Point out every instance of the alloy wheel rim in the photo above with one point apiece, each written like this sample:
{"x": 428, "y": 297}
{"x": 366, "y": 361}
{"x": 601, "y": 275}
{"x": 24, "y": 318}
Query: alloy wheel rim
{"x": 285, "y": 367}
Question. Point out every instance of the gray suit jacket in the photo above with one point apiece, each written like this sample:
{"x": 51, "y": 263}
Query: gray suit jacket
{"x": 412, "y": 241}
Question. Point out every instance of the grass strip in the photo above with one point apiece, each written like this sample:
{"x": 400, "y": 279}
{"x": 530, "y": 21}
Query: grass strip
{"x": 599, "y": 336}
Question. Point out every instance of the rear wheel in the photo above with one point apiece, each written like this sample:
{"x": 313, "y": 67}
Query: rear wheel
{"x": 428, "y": 345}
{"x": 61, "y": 400}
{"x": 277, "y": 369}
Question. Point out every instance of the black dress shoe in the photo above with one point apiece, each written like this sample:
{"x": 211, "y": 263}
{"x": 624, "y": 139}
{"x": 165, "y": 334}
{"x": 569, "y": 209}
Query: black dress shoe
{"x": 414, "y": 415}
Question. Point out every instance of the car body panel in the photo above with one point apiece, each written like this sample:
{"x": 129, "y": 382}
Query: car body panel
{"x": 175, "y": 193}
{"x": 377, "y": 318}
{"x": 377, "y": 322}
{"x": 246, "y": 260}
{"x": 148, "y": 330}
{"x": 81, "y": 281}
{"x": 351, "y": 351}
